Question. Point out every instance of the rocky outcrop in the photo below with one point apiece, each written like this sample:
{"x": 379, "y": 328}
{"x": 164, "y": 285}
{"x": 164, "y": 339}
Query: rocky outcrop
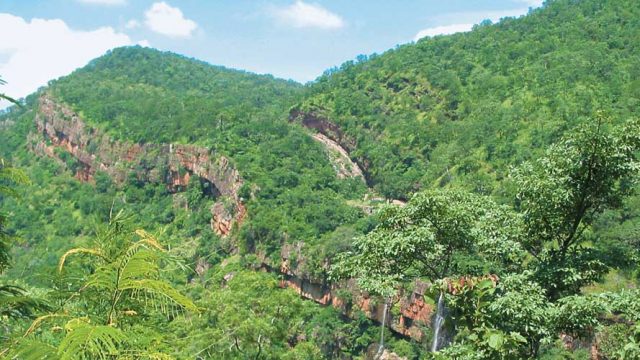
{"x": 332, "y": 132}
{"x": 410, "y": 310}
{"x": 314, "y": 121}
{"x": 339, "y": 158}
{"x": 225, "y": 215}
{"x": 373, "y": 354}
{"x": 59, "y": 127}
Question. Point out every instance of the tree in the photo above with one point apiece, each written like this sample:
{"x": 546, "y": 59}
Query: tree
{"x": 14, "y": 303}
{"x": 431, "y": 237}
{"x": 10, "y": 177}
{"x": 560, "y": 195}
{"x": 249, "y": 317}
{"x": 124, "y": 284}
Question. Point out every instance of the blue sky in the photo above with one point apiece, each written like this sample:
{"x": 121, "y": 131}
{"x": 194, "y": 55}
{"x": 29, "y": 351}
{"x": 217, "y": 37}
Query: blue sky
{"x": 287, "y": 38}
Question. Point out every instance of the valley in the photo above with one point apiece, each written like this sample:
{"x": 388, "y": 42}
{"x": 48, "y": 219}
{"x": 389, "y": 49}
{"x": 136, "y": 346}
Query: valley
{"x": 464, "y": 196}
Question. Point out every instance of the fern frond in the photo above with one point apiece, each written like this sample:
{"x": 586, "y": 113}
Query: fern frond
{"x": 15, "y": 175}
{"x": 162, "y": 295}
{"x": 29, "y": 349}
{"x": 104, "y": 277}
{"x": 78, "y": 251}
{"x": 158, "y": 356}
{"x": 138, "y": 355}
{"x": 39, "y": 320}
{"x": 142, "y": 264}
{"x": 9, "y": 191}
{"x": 10, "y": 99}
{"x": 149, "y": 240}
{"x": 85, "y": 341}
{"x": 15, "y": 303}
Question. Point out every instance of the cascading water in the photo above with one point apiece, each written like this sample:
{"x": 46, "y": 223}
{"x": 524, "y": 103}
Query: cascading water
{"x": 384, "y": 321}
{"x": 438, "y": 323}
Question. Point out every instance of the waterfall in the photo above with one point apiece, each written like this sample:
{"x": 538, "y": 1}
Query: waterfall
{"x": 437, "y": 323}
{"x": 384, "y": 321}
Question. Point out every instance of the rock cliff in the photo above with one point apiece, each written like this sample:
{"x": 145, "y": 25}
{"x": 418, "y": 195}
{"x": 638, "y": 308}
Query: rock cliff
{"x": 59, "y": 127}
{"x": 410, "y": 310}
{"x": 333, "y": 136}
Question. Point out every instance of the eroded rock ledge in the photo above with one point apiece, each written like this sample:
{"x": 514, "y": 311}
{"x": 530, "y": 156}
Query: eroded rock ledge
{"x": 335, "y": 140}
{"x": 409, "y": 312}
{"x": 59, "y": 127}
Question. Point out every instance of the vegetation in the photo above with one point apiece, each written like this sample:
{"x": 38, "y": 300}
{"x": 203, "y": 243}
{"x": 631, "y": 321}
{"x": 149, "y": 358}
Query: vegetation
{"x": 15, "y": 303}
{"x": 516, "y": 146}
{"x": 523, "y": 285}
{"x": 113, "y": 310}
{"x": 462, "y": 108}
{"x": 7, "y": 97}
{"x": 236, "y": 114}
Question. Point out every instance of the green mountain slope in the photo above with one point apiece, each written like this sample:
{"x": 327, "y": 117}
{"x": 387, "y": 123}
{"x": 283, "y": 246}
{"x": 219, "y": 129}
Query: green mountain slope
{"x": 450, "y": 111}
{"x": 141, "y": 95}
{"x": 461, "y": 108}
{"x": 121, "y": 104}
{"x": 129, "y": 90}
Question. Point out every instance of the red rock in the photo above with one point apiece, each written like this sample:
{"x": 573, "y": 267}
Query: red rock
{"x": 64, "y": 129}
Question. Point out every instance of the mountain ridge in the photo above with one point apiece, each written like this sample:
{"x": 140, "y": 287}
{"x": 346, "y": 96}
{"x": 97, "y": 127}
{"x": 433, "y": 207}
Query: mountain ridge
{"x": 454, "y": 111}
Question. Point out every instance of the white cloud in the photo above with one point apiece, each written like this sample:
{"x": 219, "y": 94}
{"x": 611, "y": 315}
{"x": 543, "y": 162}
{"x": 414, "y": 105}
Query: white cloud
{"x": 303, "y": 15}
{"x": 132, "y": 24}
{"x": 104, "y": 2}
{"x": 167, "y": 20}
{"x": 41, "y": 50}
{"x": 471, "y": 18}
{"x": 443, "y": 30}
{"x": 532, "y": 3}
{"x": 144, "y": 43}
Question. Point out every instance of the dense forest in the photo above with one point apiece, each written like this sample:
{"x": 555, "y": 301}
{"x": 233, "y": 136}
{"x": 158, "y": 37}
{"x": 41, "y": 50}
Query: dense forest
{"x": 155, "y": 206}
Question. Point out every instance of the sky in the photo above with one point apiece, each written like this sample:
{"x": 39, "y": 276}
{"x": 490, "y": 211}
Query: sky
{"x": 41, "y": 40}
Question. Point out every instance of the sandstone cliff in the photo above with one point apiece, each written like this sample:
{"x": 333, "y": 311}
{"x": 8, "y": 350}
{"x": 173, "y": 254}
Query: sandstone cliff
{"x": 337, "y": 138}
{"x": 59, "y": 127}
{"x": 410, "y": 311}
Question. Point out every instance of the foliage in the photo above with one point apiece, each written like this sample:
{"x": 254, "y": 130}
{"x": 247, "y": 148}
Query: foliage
{"x": 560, "y": 194}
{"x": 247, "y": 315}
{"x": 445, "y": 117}
{"x": 426, "y": 238}
{"x": 460, "y": 109}
{"x": 7, "y": 97}
{"x": 15, "y": 302}
{"x": 10, "y": 177}
{"x": 124, "y": 281}
{"x": 240, "y": 115}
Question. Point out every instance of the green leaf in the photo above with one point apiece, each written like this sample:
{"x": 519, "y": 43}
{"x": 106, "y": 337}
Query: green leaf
{"x": 85, "y": 341}
{"x": 496, "y": 340}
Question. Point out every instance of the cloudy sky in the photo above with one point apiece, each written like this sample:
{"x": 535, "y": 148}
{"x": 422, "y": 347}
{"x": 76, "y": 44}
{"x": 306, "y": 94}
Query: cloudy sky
{"x": 294, "y": 39}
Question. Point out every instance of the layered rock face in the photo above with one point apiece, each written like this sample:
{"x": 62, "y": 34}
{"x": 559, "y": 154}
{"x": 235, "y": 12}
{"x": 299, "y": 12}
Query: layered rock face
{"x": 332, "y": 132}
{"x": 409, "y": 311}
{"x": 58, "y": 127}
{"x": 339, "y": 158}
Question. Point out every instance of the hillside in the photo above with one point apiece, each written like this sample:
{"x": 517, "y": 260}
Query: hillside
{"x": 462, "y": 108}
{"x": 253, "y": 183}
{"x": 184, "y": 100}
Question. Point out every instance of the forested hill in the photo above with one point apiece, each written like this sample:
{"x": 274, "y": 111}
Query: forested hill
{"x": 460, "y": 108}
{"x": 185, "y": 149}
{"x": 130, "y": 89}
{"x": 137, "y": 97}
